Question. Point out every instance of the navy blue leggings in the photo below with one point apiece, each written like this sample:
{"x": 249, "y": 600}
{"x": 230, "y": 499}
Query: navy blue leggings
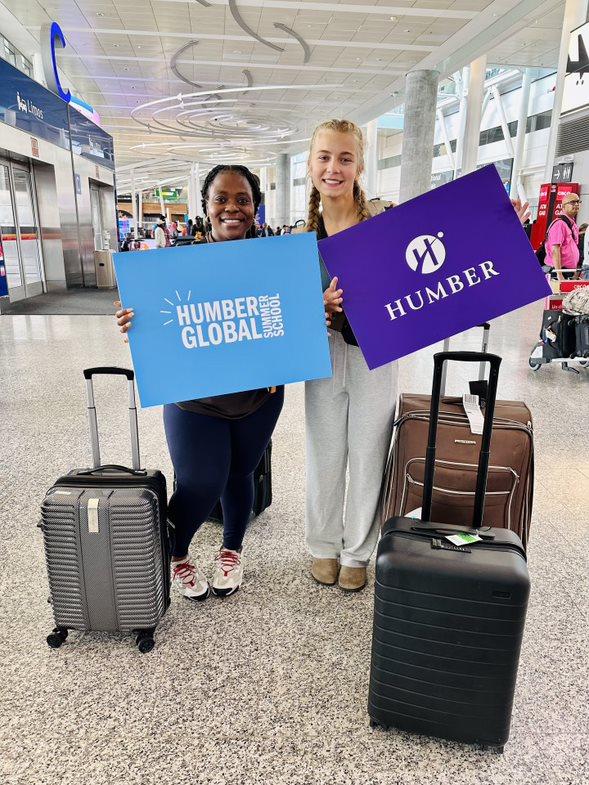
{"x": 215, "y": 459}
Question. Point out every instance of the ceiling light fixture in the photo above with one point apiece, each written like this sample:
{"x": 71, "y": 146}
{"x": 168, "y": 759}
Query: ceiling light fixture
{"x": 394, "y": 19}
{"x": 99, "y": 13}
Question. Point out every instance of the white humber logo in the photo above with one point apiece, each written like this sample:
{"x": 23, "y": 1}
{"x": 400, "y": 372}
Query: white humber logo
{"x": 426, "y": 253}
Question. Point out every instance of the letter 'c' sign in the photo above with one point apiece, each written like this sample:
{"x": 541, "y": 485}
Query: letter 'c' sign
{"x": 51, "y": 38}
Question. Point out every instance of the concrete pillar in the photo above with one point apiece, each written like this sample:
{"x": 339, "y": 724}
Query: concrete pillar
{"x": 575, "y": 14}
{"x": 516, "y": 190}
{"x": 371, "y": 159}
{"x": 134, "y": 204}
{"x": 474, "y": 103}
{"x": 503, "y": 121}
{"x": 194, "y": 192}
{"x": 162, "y": 203}
{"x": 421, "y": 96}
{"x": 462, "y": 81}
{"x": 282, "y": 189}
{"x": 264, "y": 188}
{"x": 140, "y": 206}
{"x": 445, "y": 137}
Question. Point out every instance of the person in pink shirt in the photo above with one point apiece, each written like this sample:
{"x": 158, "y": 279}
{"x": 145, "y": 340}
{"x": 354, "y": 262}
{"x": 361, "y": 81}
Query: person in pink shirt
{"x": 562, "y": 240}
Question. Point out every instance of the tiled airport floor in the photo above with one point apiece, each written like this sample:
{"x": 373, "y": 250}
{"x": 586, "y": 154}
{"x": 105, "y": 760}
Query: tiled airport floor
{"x": 268, "y": 686}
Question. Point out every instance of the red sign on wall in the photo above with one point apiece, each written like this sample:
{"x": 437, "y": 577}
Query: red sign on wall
{"x": 549, "y": 207}
{"x": 34, "y": 147}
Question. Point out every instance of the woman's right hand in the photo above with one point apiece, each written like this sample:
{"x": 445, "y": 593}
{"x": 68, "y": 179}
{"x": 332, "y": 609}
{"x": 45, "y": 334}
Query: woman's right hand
{"x": 332, "y": 300}
{"x": 124, "y": 318}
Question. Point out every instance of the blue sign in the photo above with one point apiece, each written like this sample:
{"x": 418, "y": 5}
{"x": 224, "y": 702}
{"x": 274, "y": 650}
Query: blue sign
{"x": 28, "y": 106}
{"x": 224, "y": 317}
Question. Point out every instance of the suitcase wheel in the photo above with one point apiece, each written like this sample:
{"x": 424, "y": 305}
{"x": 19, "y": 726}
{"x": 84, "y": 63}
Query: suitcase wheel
{"x": 498, "y": 749}
{"x": 57, "y": 637}
{"x": 145, "y": 641}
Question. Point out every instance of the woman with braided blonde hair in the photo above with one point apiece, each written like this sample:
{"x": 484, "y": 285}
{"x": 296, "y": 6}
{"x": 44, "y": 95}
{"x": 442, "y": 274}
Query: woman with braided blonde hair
{"x": 349, "y": 417}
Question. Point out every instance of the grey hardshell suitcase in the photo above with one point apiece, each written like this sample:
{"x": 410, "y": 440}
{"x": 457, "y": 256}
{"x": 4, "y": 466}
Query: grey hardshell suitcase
{"x": 448, "y": 618}
{"x": 106, "y": 541}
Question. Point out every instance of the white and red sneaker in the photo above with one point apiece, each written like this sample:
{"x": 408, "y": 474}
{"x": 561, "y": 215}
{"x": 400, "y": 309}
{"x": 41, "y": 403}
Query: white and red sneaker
{"x": 191, "y": 580}
{"x": 228, "y": 572}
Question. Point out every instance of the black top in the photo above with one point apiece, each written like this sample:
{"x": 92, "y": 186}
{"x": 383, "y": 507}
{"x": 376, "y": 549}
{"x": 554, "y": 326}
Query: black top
{"x": 339, "y": 322}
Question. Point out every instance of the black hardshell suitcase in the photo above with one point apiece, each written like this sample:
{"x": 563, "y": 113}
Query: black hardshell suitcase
{"x": 582, "y": 336}
{"x": 107, "y": 541}
{"x": 448, "y": 619}
{"x": 562, "y": 326}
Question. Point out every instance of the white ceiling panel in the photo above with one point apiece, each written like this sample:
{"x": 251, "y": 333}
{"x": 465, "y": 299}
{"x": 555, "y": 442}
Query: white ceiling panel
{"x": 119, "y": 55}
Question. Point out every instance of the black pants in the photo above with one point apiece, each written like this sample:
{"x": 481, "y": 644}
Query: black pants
{"x": 215, "y": 459}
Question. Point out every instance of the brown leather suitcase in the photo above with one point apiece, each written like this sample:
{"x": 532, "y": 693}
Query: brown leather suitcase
{"x": 511, "y": 470}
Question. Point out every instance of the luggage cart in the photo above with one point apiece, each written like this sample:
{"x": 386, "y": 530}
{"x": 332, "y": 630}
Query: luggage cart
{"x": 549, "y": 348}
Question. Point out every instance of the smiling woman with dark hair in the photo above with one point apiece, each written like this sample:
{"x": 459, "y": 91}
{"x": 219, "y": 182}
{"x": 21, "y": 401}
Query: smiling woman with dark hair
{"x": 216, "y": 443}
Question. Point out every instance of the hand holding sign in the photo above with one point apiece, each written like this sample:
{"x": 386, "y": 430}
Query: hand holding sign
{"x": 124, "y": 317}
{"x": 522, "y": 210}
{"x": 332, "y": 300}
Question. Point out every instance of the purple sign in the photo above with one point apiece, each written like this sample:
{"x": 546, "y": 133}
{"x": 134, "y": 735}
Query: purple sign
{"x": 453, "y": 258}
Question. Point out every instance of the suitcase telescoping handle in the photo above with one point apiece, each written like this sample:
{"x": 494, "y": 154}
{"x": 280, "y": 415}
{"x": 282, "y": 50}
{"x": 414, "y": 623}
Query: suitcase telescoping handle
{"x": 109, "y": 371}
{"x": 486, "y": 327}
{"x": 430, "y": 458}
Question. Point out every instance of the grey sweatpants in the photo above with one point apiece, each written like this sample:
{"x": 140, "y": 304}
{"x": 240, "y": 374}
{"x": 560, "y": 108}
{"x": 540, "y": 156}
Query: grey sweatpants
{"x": 349, "y": 421}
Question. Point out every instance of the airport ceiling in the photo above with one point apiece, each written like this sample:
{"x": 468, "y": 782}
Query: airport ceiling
{"x": 209, "y": 80}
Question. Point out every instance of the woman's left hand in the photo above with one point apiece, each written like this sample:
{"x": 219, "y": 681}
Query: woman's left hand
{"x": 522, "y": 210}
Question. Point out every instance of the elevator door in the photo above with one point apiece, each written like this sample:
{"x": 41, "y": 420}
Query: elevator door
{"x": 97, "y": 224}
{"x": 8, "y": 234}
{"x": 20, "y": 232}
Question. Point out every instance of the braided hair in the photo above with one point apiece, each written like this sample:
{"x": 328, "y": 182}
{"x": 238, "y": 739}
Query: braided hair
{"x": 254, "y": 183}
{"x": 343, "y": 127}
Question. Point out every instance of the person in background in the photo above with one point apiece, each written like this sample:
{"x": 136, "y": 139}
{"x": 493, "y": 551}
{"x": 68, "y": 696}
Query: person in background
{"x": 162, "y": 234}
{"x": 187, "y": 231}
{"x": 278, "y": 231}
{"x": 198, "y": 226}
{"x": 269, "y": 231}
{"x": 562, "y": 239}
{"x": 581, "y": 262}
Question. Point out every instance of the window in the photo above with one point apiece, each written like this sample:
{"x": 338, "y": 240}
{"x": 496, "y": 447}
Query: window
{"x": 11, "y": 54}
{"x": 25, "y": 65}
{"x": 389, "y": 163}
{"x": 537, "y": 122}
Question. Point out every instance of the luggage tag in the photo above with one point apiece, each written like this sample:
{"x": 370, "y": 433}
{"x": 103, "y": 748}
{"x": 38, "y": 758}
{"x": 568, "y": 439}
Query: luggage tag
{"x": 440, "y": 545}
{"x": 473, "y": 412}
{"x": 462, "y": 538}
